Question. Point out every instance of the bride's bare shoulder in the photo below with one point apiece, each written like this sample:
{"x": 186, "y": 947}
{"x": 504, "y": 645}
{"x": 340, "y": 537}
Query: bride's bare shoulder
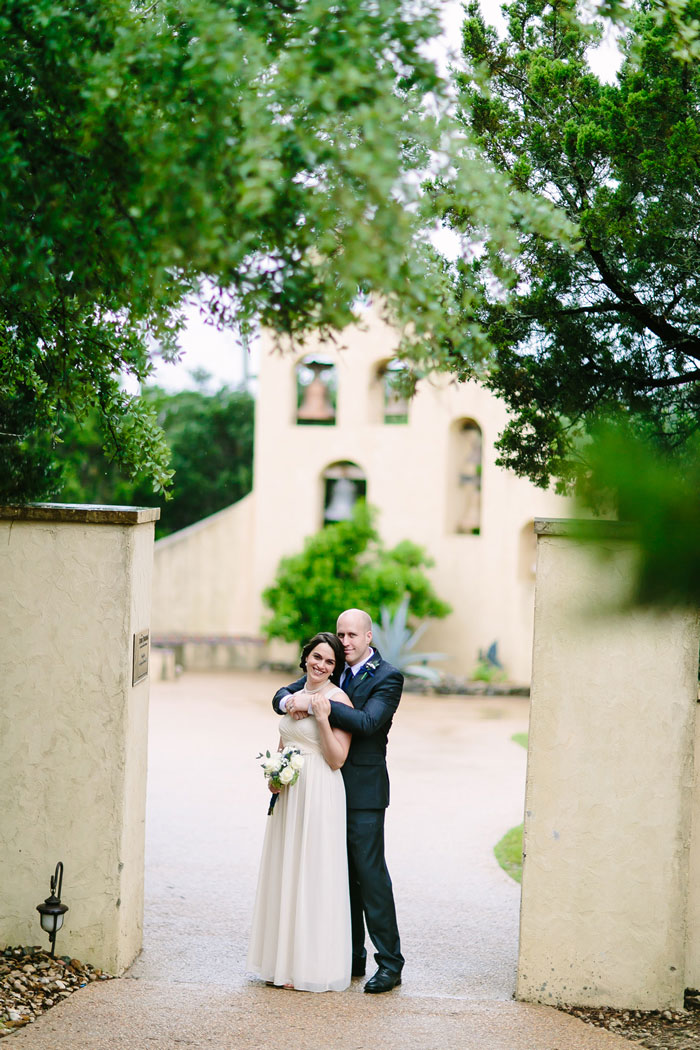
{"x": 341, "y": 698}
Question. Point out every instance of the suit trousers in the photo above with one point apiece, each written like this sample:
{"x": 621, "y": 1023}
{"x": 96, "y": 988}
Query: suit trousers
{"x": 371, "y": 895}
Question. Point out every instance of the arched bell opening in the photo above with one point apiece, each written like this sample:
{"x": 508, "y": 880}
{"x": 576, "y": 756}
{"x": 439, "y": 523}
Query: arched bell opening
{"x": 316, "y": 391}
{"x": 344, "y": 483}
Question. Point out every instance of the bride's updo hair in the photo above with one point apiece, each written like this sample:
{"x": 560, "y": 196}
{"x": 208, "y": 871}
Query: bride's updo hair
{"x": 334, "y": 641}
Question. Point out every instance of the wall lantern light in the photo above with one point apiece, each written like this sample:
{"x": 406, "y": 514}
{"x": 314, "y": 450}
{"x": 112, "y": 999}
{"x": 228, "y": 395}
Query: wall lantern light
{"x": 52, "y": 911}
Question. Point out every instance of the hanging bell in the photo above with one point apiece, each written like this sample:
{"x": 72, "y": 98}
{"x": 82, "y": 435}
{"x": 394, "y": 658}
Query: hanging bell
{"x": 343, "y": 497}
{"x": 316, "y": 405}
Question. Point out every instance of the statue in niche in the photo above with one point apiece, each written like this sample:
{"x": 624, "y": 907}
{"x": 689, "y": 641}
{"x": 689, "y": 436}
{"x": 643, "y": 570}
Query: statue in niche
{"x": 469, "y": 481}
{"x": 395, "y": 403}
{"x": 395, "y": 400}
{"x": 316, "y": 405}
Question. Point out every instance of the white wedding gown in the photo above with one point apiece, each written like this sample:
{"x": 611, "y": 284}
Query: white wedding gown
{"x": 301, "y": 919}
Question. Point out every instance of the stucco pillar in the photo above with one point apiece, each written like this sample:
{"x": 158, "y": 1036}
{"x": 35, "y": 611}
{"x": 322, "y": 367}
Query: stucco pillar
{"x": 692, "y": 960}
{"x": 76, "y": 589}
{"x": 609, "y": 783}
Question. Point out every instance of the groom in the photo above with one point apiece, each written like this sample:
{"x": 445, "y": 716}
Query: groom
{"x": 374, "y": 687}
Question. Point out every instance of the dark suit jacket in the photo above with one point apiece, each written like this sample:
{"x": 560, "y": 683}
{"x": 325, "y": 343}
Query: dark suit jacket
{"x": 375, "y": 692}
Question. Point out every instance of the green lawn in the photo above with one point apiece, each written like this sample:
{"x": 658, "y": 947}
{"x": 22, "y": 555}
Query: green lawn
{"x": 509, "y": 851}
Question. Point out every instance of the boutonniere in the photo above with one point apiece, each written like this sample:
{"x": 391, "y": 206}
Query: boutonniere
{"x": 370, "y": 667}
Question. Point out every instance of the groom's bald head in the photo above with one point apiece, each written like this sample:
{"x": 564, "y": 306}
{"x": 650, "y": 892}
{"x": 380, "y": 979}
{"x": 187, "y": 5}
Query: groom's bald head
{"x": 354, "y": 629}
{"x": 363, "y": 619}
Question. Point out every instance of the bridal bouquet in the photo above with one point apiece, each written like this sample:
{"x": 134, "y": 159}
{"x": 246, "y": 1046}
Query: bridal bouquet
{"x": 281, "y": 769}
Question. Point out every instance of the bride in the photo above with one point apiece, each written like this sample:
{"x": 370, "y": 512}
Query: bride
{"x": 301, "y": 920}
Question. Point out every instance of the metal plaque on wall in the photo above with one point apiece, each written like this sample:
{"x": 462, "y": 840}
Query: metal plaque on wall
{"x": 140, "y": 665}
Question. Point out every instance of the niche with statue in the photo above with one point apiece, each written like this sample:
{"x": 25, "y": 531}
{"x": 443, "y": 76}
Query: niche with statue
{"x": 390, "y": 398}
{"x": 464, "y": 494}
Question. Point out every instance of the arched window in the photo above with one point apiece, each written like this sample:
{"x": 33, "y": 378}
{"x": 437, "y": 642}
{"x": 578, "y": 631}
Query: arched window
{"x": 343, "y": 484}
{"x": 464, "y": 496}
{"x": 389, "y": 403}
{"x": 316, "y": 391}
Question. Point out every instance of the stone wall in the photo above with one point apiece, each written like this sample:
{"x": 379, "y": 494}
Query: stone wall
{"x": 202, "y": 579}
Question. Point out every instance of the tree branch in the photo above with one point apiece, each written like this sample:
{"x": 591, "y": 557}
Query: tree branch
{"x": 572, "y": 311}
{"x": 674, "y": 337}
{"x": 685, "y": 377}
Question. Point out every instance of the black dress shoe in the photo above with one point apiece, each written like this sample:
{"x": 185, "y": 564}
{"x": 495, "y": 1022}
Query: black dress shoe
{"x": 358, "y": 967}
{"x": 383, "y": 981}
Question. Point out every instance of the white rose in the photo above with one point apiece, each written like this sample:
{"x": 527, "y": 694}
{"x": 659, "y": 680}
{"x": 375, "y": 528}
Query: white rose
{"x": 273, "y": 764}
{"x": 297, "y": 761}
{"x": 286, "y": 775}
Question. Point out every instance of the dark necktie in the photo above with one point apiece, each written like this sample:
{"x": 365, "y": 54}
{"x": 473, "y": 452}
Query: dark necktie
{"x": 347, "y": 679}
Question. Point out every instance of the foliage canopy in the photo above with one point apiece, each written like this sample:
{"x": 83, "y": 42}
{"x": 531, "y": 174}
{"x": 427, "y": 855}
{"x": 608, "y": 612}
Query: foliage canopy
{"x": 578, "y": 334}
{"x": 243, "y": 155}
{"x": 659, "y": 494}
{"x": 346, "y": 566}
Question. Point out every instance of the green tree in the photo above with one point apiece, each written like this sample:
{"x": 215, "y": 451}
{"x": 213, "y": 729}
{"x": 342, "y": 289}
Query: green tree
{"x": 659, "y": 494}
{"x": 247, "y": 155}
{"x": 596, "y": 343}
{"x": 346, "y": 566}
{"x": 29, "y": 467}
{"x": 211, "y": 441}
{"x": 578, "y": 334}
{"x": 211, "y": 437}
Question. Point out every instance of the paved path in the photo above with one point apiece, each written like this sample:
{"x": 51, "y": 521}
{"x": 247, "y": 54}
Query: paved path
{"x": 457, "y": 784}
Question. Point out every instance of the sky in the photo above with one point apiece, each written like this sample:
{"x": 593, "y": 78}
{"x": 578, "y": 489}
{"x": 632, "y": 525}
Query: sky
{"x": 219, "y": 353}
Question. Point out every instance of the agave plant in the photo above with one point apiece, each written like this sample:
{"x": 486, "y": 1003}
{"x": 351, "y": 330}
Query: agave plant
{"x": 489, "y": 668}
{"x": 395, "y": 640}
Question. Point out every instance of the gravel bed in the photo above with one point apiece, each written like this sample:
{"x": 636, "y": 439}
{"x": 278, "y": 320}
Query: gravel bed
{"x": 656, "y": 1030}
{"x": 32, "y": 982}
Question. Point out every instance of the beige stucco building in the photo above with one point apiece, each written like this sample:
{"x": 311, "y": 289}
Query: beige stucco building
{"x": 329, "y": 429}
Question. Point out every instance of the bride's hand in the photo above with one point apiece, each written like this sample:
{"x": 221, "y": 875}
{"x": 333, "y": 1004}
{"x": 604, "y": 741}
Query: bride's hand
{"x": 321, "y": 706}
{"x": 298, "y": 705}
